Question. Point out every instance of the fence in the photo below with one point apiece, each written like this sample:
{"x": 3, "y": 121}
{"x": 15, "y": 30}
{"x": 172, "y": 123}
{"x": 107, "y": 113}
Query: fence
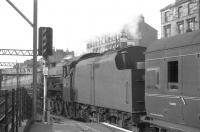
{"x": 15, "y": 106}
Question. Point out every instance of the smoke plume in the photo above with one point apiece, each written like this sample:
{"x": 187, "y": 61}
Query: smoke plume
{"x": 132, "y": 28}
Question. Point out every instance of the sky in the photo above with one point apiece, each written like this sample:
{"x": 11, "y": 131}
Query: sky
{"x": 74, "y": 22}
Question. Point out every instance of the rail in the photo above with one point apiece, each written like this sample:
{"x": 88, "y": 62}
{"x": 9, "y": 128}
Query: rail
{"x": 15, "y": 106}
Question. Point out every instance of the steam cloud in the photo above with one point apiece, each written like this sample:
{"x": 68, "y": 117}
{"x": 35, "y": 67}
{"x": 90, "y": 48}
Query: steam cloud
{"x": 132, "y": 28}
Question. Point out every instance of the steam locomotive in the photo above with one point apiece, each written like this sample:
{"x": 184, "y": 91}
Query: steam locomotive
{"x": 153, "y": 90}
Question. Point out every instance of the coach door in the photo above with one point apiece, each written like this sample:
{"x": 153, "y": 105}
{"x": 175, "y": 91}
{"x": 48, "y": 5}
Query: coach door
{"x": 163, "y": 89}
{"x": 191, "y": 90}
{"x": 173, "y": 91}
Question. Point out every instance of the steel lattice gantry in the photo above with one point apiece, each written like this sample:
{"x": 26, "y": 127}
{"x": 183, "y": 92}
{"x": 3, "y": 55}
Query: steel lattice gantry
{"x": 8, "y": 64}
{"x": 17, "y": 52}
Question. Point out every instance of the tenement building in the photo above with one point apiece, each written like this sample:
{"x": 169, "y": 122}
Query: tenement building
{"x": 136, "y": 33}
{"x": 180, "y": 17}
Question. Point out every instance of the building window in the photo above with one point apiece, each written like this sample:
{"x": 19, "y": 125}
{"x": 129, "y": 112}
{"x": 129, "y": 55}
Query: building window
{"x": 173, "y": 75}
{"x": 167, "y": 30}
{"x": 192, "y": 8}
{"x": 180, "y": 26}
{"x": 180, "y": 12}
{"x": 191, "y": 24}
{"x": 167, "y": 14}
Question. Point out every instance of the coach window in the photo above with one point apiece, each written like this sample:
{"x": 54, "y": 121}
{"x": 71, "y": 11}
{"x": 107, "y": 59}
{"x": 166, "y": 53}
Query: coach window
{"x": 153, "y": 78}
{"x": 173, "y": 74}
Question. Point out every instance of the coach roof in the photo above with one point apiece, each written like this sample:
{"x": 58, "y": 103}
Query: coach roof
{"x": 182, "y": 40}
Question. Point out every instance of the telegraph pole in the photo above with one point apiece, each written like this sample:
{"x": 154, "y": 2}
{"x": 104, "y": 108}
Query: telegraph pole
{"x": 34, "y": 58}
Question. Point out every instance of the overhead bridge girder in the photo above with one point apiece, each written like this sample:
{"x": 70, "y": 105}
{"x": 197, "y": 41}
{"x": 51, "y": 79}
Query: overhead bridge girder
{"x": 16, "y": 52}
{"x": 7, "y": 64}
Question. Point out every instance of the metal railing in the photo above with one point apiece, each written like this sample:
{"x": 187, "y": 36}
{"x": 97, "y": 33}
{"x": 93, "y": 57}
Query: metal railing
{"x": 15, "y": 106}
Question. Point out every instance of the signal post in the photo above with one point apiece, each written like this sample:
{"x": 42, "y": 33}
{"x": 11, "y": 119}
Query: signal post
{"x": 45, "y": 73}
{"x": 45, "y": 49}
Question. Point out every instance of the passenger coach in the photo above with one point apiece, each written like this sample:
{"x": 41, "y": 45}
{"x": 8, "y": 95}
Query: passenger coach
{"x": 172, "y": 91}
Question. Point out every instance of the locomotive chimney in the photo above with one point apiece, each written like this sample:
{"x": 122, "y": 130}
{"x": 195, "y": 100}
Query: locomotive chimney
{"x": 142, "y": 18}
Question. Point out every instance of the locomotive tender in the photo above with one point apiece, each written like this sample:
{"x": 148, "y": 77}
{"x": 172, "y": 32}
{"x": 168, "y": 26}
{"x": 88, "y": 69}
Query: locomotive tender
{"x": 108, "y": 87}
{"x": 115, "y": 87}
